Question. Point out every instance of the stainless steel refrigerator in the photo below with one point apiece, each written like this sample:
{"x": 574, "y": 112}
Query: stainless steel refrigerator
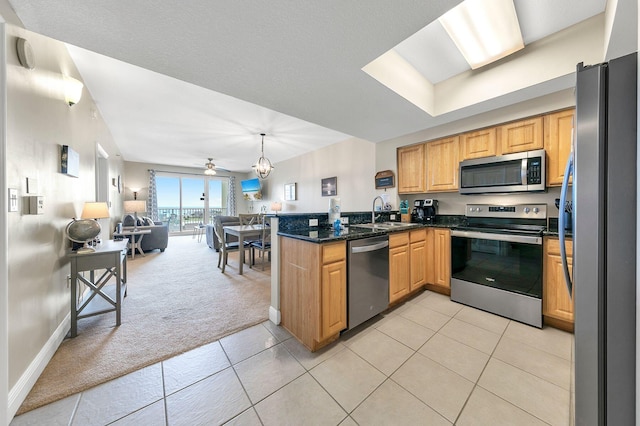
{"x": 604, "y": 237}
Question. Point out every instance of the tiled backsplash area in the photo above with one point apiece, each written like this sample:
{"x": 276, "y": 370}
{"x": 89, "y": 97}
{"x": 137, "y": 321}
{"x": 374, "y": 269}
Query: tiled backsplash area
{"x": 290, "y": 222}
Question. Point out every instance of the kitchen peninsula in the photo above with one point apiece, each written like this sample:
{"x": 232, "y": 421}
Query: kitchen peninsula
{"x": 313, "y": 270}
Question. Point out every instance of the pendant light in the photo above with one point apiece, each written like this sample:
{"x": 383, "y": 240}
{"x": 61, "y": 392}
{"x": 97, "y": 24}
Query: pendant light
{"x": 263, "y": 166}
{"x": 210, "y": 168}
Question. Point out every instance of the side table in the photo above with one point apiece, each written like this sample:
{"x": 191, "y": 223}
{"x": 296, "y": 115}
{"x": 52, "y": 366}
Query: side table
{"x": 112, "y": 257}
{"x": 133, "y": 243}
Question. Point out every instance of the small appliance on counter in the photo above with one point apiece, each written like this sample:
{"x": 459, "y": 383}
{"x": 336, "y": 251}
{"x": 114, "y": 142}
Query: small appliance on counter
{"x": 424, "y": 211}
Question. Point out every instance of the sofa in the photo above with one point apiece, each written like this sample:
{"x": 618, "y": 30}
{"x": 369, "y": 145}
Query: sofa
{"x": 212, "y": 241}
{"x": 157, "y": 239}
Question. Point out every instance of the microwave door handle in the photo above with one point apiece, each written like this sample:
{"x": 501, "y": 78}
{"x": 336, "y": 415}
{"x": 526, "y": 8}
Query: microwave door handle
{"x": 523, "y": 172}
{"x": 561, "y": 223}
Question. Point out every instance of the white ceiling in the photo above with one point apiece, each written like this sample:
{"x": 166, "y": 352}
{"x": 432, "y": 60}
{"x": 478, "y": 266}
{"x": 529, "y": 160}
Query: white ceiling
{"x": 223, "y": 72}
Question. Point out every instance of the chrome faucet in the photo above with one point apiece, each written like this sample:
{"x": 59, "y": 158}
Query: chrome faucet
{"x": 373, "y": 208}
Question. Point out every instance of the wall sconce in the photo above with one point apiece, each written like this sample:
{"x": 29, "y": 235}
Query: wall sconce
{"x": 72, "y": 90}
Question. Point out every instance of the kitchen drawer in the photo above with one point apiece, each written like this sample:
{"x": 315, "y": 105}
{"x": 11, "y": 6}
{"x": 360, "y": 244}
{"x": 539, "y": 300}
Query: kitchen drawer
{"x": 333, "y": 252}
{"x": 398, "y": 239}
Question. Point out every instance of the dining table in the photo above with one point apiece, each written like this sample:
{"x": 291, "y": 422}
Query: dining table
{"x": 241, "y": 232}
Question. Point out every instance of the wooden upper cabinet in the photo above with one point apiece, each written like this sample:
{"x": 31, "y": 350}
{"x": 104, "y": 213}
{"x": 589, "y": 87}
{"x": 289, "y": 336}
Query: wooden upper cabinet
{"x": 557, "y": 144}
{"x": 481, "y": 143}
{"x": 412, "y": 176}
{"x": 524, "y": 135}
{"x": 443, "y": 156}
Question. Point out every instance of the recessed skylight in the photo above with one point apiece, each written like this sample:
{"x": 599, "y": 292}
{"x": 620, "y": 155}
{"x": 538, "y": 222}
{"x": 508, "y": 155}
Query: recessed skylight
{"x": 484, "y": 30}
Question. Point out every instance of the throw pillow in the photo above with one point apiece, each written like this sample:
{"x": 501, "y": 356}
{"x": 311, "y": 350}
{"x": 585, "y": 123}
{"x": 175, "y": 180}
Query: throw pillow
{"x": 147, "y": 221}
{"x": 128, "y": 220}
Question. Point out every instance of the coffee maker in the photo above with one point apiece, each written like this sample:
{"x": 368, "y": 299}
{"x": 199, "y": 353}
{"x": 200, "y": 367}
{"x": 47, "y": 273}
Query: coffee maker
{"x": 424, "y": 211}
{"x": 430, "y": 207}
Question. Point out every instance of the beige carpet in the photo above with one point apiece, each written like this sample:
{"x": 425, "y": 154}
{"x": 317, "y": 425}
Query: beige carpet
{"x": 176, "y": 301}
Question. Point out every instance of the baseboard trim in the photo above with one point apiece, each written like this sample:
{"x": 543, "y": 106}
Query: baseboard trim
{"x": 274, "y": 315}
{"x": 21, "y": 389}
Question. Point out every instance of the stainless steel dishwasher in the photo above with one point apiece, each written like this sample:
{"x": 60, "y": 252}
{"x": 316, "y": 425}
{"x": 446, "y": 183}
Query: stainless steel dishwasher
{"x": 368, "y": 278}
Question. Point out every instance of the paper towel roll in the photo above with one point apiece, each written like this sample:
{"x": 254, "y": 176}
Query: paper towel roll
{"x": 334, "y": 209}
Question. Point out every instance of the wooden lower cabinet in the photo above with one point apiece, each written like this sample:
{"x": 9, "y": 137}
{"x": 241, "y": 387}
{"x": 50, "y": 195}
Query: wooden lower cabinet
{"x": 417, "y": 258}
{"x": 442, "y": 259}
{"x": 557, "y": 306}
{"x": 313, "y": 290}
{"x": 399, "y": 270}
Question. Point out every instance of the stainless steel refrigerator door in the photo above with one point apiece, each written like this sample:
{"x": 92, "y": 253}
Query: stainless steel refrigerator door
{"x": 604, "y": 243}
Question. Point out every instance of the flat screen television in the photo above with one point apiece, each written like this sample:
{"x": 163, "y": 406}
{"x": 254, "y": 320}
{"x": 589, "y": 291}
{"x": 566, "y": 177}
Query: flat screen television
{"x": 251, "y": 189}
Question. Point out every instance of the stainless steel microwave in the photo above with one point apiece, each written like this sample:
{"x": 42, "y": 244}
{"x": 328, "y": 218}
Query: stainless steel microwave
{"x": 519, "y": 172}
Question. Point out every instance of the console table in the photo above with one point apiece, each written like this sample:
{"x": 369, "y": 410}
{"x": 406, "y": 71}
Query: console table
{"x": 112, "y": 257}
{"x": 133, "y": 244}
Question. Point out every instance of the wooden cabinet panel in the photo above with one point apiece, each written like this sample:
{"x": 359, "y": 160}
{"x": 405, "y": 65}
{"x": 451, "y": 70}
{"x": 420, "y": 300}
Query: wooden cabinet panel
{"x": 412, "y": 176}
{"x": 556, "y": 302}
{"x": 418, "y": 259}
{"x": 442, "y": 257}
{"x": 430, "y": 243}
{"x": 398, "y": 272}
{"x": 313, "y": 290}
{"x": 481, "y": 143}
{"x": 524, "y": 135}
{"x": 442, "y": 164}
{"x": 557, "y": 144}
{"x": 333, "y": 299}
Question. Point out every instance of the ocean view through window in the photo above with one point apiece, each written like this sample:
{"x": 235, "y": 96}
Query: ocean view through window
{"x": 186, "y": 201}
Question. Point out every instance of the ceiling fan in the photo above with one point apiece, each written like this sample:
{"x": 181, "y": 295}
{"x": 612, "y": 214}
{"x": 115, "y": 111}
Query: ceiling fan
{"x": 210, "y": 168}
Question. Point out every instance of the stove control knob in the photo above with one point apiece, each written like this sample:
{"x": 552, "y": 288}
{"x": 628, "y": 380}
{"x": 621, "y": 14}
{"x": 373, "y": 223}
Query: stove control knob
{"x": 527, "y": 210}
{"x": 536, "y": 210}
{"x": 472, "y": 209}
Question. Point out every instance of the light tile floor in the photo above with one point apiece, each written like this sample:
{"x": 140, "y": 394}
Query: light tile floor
{"x": 430, "y": 361}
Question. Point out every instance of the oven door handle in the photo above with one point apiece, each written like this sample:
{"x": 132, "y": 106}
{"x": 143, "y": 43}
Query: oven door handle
{"x": 525, "y": 239}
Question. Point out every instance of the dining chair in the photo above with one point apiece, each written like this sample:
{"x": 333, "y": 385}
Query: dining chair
{"x": 225, "y": 247}
{"x": 250, "y": 219}
{"x": 263, "y": 245}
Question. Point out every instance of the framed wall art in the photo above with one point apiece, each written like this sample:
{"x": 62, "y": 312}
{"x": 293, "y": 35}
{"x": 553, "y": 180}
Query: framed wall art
{"x": 290, "y": 192}
{"x": 69, "y": 161}
{"x": 330, "y": 186}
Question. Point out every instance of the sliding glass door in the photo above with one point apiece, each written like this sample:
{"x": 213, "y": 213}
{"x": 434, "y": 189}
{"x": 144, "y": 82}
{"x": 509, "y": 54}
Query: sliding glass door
{"x": 186, "y": 201}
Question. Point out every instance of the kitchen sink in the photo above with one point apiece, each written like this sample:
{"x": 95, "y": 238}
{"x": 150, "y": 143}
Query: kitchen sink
{"x": 383, "y": 226}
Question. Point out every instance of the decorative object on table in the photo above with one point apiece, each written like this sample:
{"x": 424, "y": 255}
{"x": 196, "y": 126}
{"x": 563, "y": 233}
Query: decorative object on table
{"x": 276, "y": 206}
{"x": 290, "y": 191}
{"x": 334, "y": 210}
{"x": 135, "y": 207}
{"x": 329, "y": 186}
{"x": 263, "y": 166}
{"x": 87, "y": 228}
{"x": 385, "y": 179}
{"x": 210, "y": 168}
{"x": 69, "y": 161}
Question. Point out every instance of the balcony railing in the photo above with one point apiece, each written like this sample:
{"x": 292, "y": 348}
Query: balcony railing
{"x": 186, "y": 218}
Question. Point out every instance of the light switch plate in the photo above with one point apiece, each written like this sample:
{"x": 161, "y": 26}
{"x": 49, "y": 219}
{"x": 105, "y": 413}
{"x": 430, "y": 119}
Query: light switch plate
{"x": 392, "y": 217}
{"x": 344, "y": 220}
{"x": 313, "y": 222}
{"x": 13, "y": 200}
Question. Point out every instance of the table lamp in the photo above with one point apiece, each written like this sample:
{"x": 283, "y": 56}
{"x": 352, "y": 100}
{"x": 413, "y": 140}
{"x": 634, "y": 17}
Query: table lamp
{"x": 276, "y": 206}
{"x": 135, "y": 207}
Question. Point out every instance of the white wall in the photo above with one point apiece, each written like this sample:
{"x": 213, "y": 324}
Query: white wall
{"x": 38, "y": 123}
{"x": 353, "y": 162}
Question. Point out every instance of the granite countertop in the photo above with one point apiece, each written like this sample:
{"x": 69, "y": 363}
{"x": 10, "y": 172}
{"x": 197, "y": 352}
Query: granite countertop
{"x": 325, "y": 235}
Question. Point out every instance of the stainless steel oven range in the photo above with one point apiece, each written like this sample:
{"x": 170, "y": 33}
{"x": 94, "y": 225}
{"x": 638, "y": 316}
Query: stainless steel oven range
{"x": 496, "y": 260}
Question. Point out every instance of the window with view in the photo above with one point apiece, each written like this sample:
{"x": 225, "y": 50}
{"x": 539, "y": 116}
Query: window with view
{"x": 186, "y": 201}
